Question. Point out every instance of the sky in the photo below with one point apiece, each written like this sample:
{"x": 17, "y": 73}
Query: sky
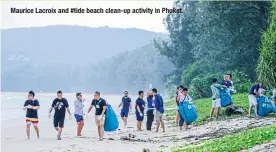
{"x": 144, "y": 21}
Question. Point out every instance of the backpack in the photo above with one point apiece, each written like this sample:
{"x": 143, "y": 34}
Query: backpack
{"x": 111, "y": 122}
{"x": 188, "y": 111}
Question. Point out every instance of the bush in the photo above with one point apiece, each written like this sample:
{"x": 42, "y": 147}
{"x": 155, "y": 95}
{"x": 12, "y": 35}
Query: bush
{"x": 241, "y": 82}
{"x": 200, "y": 85}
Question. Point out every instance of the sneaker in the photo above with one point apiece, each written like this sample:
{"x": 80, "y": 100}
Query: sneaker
{"x": 58, "y": 138}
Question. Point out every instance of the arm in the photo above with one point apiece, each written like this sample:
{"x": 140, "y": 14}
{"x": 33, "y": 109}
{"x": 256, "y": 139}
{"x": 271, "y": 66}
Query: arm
{"x": 138, "y": 109}
{"x": 26, "y": 105}
{"x": 120, "y": 104}
{"x": 190, "y": 98}
{"x": 137, "y": 106}
{"x": 104, "y": 109}
{"x": 178, "y": 98}
{"x": 148, "y": 93}
{"x": 52, "y": 106}
{"x": 213, "y": 92}
{"x": 130, "y": 105}
{"x": 68, "y": 110}
{"x": 91, "y": 106}
{"x": 67, "y": 107}
{"x": 37, "y": 106}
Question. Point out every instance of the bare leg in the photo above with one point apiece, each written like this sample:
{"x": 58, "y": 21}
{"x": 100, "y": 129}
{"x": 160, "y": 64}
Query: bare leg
{"x": 249, "y": 110}
{"x": 157, "y": 125}
{"x": 37, "y": 131}
{"x": 78, "y": 128}
{"x": 211, "y": 113}
{"x": 163, "y": 125}
{"x": 82, "y": 124}
{"x": 177, "y": 117}
{"x": 59, "y": 133}
{"x": 102, "y": 131}
{"x": 56, "y": 128}
{"x": 28, "y": 130}
{"x": 125, "y": 121}
{"x": 217, "y": 114}
{"x": 256, "y": 109}
{"x": 99, "y": 131}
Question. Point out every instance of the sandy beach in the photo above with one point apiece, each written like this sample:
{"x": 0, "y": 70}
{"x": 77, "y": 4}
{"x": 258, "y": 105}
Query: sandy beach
{"x": 14, "y": 137}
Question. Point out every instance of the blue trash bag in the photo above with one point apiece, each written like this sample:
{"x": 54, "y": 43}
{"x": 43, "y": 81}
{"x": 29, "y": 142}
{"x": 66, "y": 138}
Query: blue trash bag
{"x": 188, "y": 111}
{"x": 111, "y": 122}
{"x": 265, "y": 106}
{"x": 273, "y": 109}
{"x": 226, "y": 98}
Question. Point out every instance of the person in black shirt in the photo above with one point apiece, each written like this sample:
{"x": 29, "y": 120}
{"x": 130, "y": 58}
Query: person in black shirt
{"x": 31, "y": 106}
{"x": 139, "y": 110}
{"x": 60, "y": 105}
{"x": 100, "y": 105}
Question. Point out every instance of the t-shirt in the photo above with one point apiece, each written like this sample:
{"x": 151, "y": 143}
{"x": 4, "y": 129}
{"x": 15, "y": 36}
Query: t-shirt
{"x": 60, "y": 106}
{"x": 126, "y": 103}
{"x": 215, "y": 91}
{"x": 31, "y": 114}
{"x": 141, "y": 104}
{"x": 99, "y": 104}
{"x": 158, "y": 102}
{"x": 150, "y": 103}
{"x": 227, "y": 83}
{"x": 252, "y": 88}
{"x": 78, "y": 107}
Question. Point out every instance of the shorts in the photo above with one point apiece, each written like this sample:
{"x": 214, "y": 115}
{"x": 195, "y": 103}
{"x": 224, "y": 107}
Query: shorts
{"x": 35, "y": 123}
{"x": 99, "y": 122}
{"x": 59, "y": 122}
{"x": 252, "y": 100}
{"x": 216, "y": 103}
{"x": 79, "y": 118}
{"x": 124, "y": 113}
{"x": 138, "y": 117}
{"x": 158, "y": 116}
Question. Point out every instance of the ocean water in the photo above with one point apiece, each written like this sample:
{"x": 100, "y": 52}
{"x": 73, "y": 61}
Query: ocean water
{"x": 12, "y": 103}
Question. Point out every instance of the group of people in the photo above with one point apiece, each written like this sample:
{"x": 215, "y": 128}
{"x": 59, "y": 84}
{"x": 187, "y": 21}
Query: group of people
{"x": 153, "y": 106}
{"x": 258, "y": 90}
{"x": 155, "y": 110}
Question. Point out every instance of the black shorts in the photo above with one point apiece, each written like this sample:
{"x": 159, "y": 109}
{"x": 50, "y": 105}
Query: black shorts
{"x": 59, "y": 122}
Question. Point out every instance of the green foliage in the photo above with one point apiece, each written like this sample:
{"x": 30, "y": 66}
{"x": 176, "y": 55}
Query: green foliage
{"x": 267, "y": 63}
{"x": 215, "y": 37}
{"x": 203, "y": 107}
{"x": 201, "y": 85}
{"x": 237, "y": 142}
{"x": 242, "y": 82}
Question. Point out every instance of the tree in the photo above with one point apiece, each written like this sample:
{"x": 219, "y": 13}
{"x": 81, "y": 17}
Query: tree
{"x": 267, "y": 63}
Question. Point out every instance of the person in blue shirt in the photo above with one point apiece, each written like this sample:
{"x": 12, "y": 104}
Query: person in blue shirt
{"x": 139, "y": 110}
{"x": 227, "y": 81}
{"x": 150, "y": 110}
{"x": 126, "y": 102}
{"x": 252, "y": 96}
{"x": 158, "y": 102}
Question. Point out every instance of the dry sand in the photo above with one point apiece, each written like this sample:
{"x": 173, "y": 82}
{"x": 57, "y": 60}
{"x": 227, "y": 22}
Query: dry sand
{"x": 13, "y": 136}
